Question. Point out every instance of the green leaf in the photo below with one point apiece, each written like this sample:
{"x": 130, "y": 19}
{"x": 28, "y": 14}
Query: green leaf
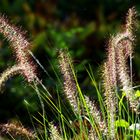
{"x": 130, "y": 137}
{"x": 123, "y": 94}
{"x": 138, "y": 133}
{"x": 137, "y": 94}
{"x": 121, "y": 123}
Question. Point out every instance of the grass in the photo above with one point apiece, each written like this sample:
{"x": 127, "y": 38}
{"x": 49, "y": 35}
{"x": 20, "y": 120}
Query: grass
{"x": 114, "y": 116}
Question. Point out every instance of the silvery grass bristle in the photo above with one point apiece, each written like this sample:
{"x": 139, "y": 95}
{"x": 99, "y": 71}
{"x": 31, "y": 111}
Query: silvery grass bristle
{"x": 69, "y": 84}
{"x": 20, "y": 46}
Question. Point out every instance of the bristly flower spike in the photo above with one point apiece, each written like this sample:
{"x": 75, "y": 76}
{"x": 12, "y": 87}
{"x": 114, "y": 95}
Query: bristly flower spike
{"x": 54, "y": 132}
{"x": 120, "y": 48}
{"x": 14, "y": 70}
{"x": 17, "y": 130}
{"x": 96, "y": 114}
{"x": 20, "y": 47}
{"x": 130, "y": 20}
{"x": 69, "y": 85}
{"x": 124, "y": 49}
{"x": 110, "y": 100}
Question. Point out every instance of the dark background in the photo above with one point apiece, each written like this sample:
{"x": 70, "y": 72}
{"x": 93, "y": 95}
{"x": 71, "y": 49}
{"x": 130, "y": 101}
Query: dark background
{"x": 82, "y": 26}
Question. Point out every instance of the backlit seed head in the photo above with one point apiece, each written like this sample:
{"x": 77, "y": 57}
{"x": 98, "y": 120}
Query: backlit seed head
{"x": 20, "y": 46}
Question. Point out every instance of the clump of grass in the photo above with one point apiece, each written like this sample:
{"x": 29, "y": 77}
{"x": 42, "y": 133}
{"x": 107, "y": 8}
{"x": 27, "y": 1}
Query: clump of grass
{"x": 115, "y": 72}
{"x": 90, "y": 122}
{"x": 115, "y": 75}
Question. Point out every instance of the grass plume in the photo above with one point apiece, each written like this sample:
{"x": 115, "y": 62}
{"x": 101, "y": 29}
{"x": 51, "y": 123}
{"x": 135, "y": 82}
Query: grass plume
{"x": 87, "y": 121}
{"x": 69, "y": 85}
{"x": 20, "y": 46}
{"x": 17, "y": 130}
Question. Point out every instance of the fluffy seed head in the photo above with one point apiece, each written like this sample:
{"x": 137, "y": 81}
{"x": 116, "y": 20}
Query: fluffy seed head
{"x": 20, "y": 46}
{"x": 69, "y": 83}
{"x": 131, "y": 19}
{"x": 96, "y": 115}
{"x": 110, "y": 99}
{"x": 9, "y": 73}
{"x": 16, "y": 130}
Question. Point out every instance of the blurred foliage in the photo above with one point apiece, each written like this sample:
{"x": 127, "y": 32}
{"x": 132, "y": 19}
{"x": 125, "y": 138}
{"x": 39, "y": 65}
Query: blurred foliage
{"x": 82, "y": 26}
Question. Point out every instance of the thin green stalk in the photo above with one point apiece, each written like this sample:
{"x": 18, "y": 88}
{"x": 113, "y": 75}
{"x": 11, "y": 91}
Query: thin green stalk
{"x": 100, "y": 99}
{"x": 43, "y": 109}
